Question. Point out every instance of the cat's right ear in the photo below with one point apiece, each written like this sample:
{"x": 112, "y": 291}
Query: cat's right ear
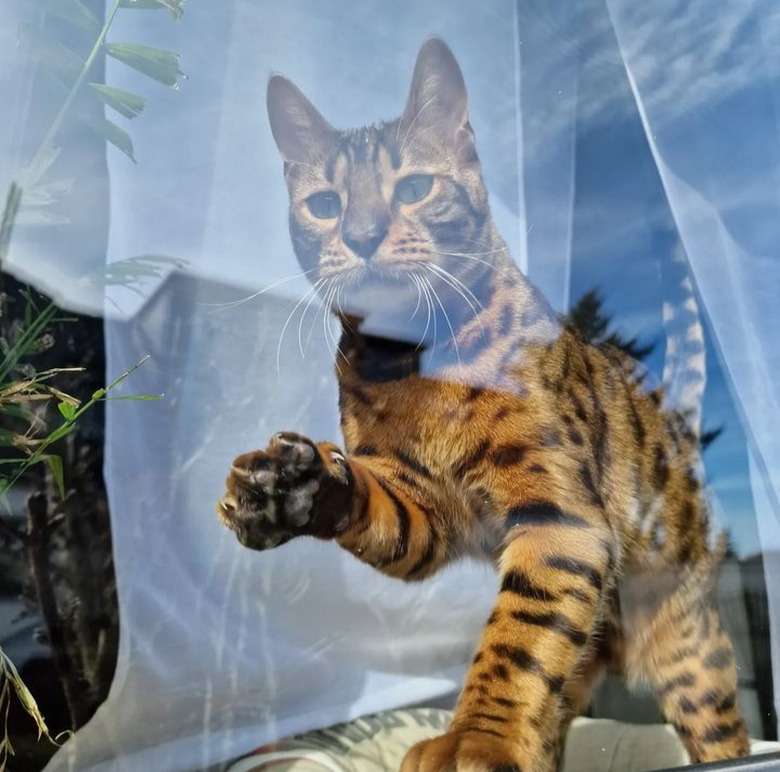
{"x": 437, "y": 98}
{"x": 300, "y": 132}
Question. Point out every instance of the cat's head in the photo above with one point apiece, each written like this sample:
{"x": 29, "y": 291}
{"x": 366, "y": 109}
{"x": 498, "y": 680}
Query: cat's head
{"x": 379, "y": 211}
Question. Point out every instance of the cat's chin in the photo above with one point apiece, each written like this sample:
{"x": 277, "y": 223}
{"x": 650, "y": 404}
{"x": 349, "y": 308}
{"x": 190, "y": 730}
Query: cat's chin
{"x": 378, "y": 292}
{"x": 388, "y": 303}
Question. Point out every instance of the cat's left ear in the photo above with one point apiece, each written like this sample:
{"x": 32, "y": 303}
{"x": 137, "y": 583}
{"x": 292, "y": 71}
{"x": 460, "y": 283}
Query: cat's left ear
{"x": 437, "y": 99}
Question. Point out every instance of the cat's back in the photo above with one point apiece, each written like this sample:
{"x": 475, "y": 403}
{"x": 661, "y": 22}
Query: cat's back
{"x": 635, "y": 457}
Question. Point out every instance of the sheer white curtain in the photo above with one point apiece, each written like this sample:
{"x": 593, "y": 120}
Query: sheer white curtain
{"x": 709, "y": 107}
{"x": 223, "y": 649}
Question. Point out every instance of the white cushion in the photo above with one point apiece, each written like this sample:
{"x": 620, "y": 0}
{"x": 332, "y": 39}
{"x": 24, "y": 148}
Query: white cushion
{"x": 378, "y": 744}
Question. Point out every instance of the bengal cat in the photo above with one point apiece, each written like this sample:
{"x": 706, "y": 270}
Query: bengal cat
{"x": 476, "y": 424}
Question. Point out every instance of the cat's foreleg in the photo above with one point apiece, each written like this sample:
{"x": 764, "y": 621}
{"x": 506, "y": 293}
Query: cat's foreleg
{"x": 296, "y": 487}
{"x": 554, "y": 580}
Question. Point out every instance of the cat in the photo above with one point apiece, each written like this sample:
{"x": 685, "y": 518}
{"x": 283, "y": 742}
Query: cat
{"x": 476, "y": 423}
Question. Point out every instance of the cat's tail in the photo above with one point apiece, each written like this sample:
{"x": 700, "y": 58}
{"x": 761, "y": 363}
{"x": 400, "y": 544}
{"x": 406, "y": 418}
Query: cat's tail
{"x": 685, "y": 374}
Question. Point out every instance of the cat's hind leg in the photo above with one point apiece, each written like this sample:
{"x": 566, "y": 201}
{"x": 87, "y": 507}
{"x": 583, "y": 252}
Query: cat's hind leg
{"x": 682, "y": 651}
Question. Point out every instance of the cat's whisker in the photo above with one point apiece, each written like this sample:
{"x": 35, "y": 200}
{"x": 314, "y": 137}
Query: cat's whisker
{"x": 467, "y": 290}
{"x": 457, "y": 284}
{"x": 323, "y": 309}
{"x": 300, "y": 324}
{"x": 311, "y": 290}
{"x": 486, "y": 245}
{"x": 484, "y": 253}
{"x": 447, "y": 320}
{"x": 414, "y": 120}
{"x": 304, "y": 165}
{"x": 421, "y": 290}
{"x": 429, "y": 293}
{"x": 339, "y": 312}
{"x": 482, "y": 243}
{"x": 419, "y": 300}
{"x": 326, "y": 317}
{"x": 449, "y": 279}
{"x": 418, "y": 134}
{"x": 427, "y": 308}
{"x": 234, "y": 303}
{"x": 312, "y": 326}
{"x": 329, "y": 337}
{"x": 513, "y": 277}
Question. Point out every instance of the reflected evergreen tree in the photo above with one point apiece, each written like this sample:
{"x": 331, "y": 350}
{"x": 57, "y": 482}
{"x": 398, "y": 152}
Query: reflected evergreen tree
{"x": 589, "y": 320}
{"x": 708, "y": 436}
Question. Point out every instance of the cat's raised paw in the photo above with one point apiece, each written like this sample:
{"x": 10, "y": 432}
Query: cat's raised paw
{"x": 278, "y": 493}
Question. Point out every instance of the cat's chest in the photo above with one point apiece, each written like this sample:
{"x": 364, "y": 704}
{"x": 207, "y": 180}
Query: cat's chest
{"x": 438, "y": 422}
{"x": 399, "y": 400}
{"x": 399, "y": 412}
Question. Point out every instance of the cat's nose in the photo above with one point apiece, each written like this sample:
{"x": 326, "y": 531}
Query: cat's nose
{"x": 364, "y": 242}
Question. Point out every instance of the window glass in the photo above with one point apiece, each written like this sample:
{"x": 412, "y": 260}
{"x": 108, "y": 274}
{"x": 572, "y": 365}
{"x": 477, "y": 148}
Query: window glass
{"x": 631, "y": 159}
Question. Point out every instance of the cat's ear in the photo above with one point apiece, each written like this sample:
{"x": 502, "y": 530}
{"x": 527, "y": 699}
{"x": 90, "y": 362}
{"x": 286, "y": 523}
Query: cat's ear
{"x": 300, "y": 132}
{"x": 437, "y": 98}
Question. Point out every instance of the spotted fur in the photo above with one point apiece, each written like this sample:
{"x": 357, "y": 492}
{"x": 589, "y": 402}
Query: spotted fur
{"x": 475, "y": 424}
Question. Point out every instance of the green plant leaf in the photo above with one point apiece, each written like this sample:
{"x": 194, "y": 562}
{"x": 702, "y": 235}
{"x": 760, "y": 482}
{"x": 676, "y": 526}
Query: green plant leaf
{"x": 10, "y": 675}
{"x": 132, "y": 268}
{"x": 55, "y": 465}
{"x": 128, "y": 104}
{"x": 40, "y": 217}
{"x": 59, "y": 433}
{"x": 10, "y": 213}
{"x": 69, "y": 425}
{"x": 7, "y": 438}
{"x": 176, "y": 7}
{"x": 157, "y": 63}
{"x": 74, "y": 12}
{"x": 21, "y": 347}
{"x": 67, "y": 409}
{"x": 132, "y": 271}
{"x": 29, "y": 307}
{"x": 136, "y": 398}
{"x": 20, "y": 412}
{"x": 108, "y": 129}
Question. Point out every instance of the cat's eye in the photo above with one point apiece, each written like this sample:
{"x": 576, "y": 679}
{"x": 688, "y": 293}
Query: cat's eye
{"x": 413, "y": 188}
{"x": 325, "y": 205}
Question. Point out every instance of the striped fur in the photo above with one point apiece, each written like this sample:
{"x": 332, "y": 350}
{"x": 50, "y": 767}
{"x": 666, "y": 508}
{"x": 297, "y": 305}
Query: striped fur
{"x": 507, "y": 439}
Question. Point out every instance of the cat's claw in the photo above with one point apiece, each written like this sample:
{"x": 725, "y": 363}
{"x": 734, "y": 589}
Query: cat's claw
{"x": 272, "y": 495}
